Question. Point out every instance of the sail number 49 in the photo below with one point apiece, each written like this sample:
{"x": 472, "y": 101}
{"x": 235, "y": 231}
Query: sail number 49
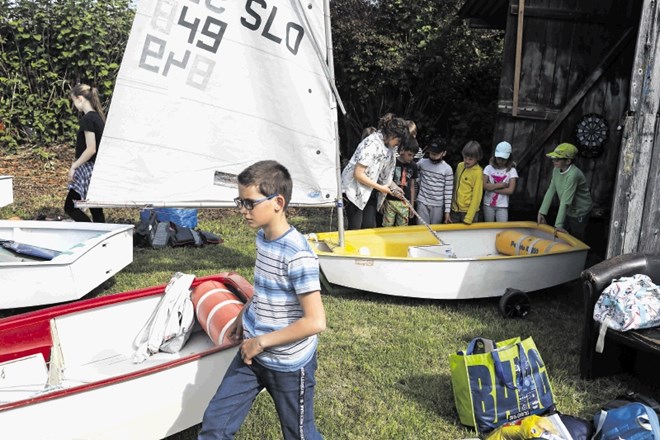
{"x": 206, "y": 35}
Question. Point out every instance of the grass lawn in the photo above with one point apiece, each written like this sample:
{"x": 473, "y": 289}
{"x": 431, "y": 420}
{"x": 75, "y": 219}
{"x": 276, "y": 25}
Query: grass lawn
{"x": 383, "y": 361}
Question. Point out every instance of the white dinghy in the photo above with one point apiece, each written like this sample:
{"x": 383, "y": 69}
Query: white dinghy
{"x": 67, "y": 371}
{"x": 6, "y": 191}
{"x": 476, "y": 261}
{"x": 85, "y": 256}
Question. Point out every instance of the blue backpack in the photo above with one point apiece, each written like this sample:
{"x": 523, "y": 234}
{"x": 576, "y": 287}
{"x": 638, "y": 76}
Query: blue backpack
{"x": 633, "y": 421}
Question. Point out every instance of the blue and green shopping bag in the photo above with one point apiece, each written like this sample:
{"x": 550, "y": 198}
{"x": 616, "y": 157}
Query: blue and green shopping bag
{"x": 495, "y": 383}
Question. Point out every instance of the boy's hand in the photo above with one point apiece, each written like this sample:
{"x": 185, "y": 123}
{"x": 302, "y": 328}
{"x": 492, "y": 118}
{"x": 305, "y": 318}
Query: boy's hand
{"x": 250, "y": 348}
{"x": 447, "y": 218}
{"x": 540, "y": 219}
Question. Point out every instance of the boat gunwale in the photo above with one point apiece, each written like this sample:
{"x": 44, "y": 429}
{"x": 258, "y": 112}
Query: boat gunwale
{"x": 234, "y": 279}
{"x": 576, "y": 244}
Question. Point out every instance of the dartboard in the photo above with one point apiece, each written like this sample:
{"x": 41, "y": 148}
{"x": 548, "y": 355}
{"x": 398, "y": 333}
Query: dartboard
{"x": 591, "y": 133}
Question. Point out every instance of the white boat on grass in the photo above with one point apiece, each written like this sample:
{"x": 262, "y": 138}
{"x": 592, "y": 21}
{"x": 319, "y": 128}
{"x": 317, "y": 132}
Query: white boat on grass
{"x": 68, "y": 371}
{"x": 474, "y": 262}
{"x": 87, "y": 254}
{"x": 6, "y": 190}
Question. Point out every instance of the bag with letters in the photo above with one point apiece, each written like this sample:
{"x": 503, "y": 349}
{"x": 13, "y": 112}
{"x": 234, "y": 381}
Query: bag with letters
{"x": 498, "y": 382}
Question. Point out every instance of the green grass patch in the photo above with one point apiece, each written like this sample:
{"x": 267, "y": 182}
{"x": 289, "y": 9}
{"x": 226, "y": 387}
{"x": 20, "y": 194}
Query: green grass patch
{"x": 383, "y": 361}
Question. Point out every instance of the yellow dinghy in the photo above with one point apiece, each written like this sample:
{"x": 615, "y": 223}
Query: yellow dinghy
{"x": 471, "y": 261}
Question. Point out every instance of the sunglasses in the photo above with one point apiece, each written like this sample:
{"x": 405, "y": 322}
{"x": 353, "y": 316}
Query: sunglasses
{"x": 249, "y": 204}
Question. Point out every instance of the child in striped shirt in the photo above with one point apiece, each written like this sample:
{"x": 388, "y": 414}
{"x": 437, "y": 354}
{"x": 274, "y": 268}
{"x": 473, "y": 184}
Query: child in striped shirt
{"x": 436, "y": 185}
{"x": 278, "y": 327}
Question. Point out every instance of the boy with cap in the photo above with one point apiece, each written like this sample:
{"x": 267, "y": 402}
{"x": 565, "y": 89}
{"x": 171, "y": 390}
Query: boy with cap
{"x": 570, "y": 185}
{"x": 500, "y": 178}
{"x": 436, "y": 185}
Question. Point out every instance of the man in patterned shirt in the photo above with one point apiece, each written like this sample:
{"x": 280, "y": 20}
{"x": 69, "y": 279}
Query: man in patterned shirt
{"x": 279, "y": 325}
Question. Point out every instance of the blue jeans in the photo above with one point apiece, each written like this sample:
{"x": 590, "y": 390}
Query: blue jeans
{"x": 292, "y": 392}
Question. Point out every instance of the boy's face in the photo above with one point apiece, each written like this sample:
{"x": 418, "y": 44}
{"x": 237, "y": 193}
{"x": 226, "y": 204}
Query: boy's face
{"x": 562, "y": 164}
{"x": 437, "y": 156}
{"x": 263, "y": 212}
{"x": 469, "y": 161}
{"x": 406, "y": 156}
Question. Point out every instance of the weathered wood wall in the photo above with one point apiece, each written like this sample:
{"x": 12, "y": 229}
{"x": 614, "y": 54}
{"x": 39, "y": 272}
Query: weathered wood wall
{"x": 576, "y": 59}
{"x": 635, "y": 225}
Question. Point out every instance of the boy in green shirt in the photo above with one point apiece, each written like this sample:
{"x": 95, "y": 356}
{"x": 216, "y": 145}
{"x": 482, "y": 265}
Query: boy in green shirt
{"x": 570, "y": 185}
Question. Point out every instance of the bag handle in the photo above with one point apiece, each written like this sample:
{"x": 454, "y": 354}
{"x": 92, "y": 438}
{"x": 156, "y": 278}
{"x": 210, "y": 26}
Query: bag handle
{"x": 499, "y": 371}
{"x": 601, "y": 422}
{"x": 488, "y": 344}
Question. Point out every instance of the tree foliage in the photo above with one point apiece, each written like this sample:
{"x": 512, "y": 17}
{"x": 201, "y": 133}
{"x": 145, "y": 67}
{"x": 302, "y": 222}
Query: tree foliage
{"x": 415, "y": 58}
{"x": 418, "y": 59}
{"x": 46, "y": 46}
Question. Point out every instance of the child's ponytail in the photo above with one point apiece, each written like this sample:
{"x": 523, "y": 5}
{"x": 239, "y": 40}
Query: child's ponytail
{"x": 96, "y": 102}
{"x": 92, "y": 95}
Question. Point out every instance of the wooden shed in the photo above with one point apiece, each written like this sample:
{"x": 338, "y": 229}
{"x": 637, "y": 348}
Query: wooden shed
{"x": 580, "y": 72}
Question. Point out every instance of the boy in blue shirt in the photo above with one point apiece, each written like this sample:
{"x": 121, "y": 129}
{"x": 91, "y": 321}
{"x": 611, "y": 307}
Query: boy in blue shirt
{"x": 278, "y": 327}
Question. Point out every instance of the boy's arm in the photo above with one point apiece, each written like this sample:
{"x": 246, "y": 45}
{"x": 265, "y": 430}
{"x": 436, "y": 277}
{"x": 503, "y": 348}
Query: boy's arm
{"x": 475, "y": 201}
{"x": 449, "y": 190}
{"x": 547, "y": 199}
{"x": 566, "y": 199}
{"x": 310, "y": 323}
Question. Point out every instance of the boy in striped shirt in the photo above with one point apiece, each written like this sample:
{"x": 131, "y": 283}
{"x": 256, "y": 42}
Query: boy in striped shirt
{"x": 278, "y": 327}
{"x": 436, "y": 185}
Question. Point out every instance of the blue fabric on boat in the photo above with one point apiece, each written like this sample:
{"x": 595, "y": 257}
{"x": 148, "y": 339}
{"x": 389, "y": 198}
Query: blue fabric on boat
{"x": 32, "y": 251}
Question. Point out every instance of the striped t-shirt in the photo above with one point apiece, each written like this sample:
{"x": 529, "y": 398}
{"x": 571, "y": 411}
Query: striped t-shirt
{"x": 285, "y": 268}
{"x": 436, "y": 183}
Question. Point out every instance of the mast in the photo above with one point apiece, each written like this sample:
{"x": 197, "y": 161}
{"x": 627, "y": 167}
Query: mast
{"x": 331, "y": 66}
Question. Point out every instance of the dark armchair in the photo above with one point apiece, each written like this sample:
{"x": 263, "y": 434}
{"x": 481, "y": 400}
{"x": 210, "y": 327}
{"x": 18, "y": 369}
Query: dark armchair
{"x": 621, "y": 349}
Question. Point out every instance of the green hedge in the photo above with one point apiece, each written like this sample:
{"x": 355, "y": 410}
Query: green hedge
{"x": 46, "y": 46}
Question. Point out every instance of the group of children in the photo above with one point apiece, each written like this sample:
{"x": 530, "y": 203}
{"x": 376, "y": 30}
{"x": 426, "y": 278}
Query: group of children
{"x": 472, "y": 194}
{"x": 448, "y": 197}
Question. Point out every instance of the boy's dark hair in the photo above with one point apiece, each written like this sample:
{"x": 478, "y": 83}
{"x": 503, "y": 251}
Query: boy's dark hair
{"x": 473, "y": 149}
{"x": 410, "y": 145}
{"x": 270, "y": 177}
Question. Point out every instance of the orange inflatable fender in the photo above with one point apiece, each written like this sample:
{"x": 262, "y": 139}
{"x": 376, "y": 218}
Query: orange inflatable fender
{"x": 216, "y": 308}
{"x": 519, "y": 243}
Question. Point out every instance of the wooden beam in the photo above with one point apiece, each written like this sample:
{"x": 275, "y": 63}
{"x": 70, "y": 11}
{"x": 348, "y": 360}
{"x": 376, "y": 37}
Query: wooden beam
{"x": 537, "y": 144}
{"x": 527, "y": 111}
{"x": 516, "y": 74}
{"x": 640, "y": 145}
{"x": 570, "y": 15}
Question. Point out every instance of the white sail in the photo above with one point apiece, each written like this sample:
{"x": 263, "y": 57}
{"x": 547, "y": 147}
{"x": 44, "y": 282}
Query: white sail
{"x": 208, "y": 87}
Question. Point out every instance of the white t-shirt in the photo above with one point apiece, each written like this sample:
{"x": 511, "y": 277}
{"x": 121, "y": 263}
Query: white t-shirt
{"x": 498, "y": 175}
